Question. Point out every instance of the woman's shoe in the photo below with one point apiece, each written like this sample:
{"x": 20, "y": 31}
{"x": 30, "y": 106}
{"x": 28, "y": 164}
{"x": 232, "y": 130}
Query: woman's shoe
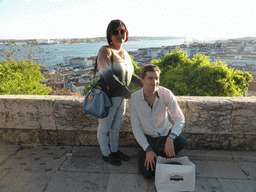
{"x": 120, "y": 156}
{"x": 112, "y": 160}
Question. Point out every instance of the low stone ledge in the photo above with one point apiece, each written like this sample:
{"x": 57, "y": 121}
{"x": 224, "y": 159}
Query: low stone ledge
{"x": 211, "y": 122}
{"x": 45, "y": 112}
{"x": 126, "y": 139}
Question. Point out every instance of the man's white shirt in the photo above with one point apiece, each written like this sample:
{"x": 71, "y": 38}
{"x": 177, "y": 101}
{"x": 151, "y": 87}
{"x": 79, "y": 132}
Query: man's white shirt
{"x": 154, "y": 121}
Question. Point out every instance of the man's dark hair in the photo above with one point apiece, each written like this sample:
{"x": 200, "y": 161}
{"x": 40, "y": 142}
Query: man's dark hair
{"x": 113, "y": 25}
{"x": 148, "y": 67}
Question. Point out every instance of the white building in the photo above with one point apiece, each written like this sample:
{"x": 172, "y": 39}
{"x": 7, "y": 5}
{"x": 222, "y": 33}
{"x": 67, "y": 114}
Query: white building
{"x": 78, "y": 87}
{"x": 81, "y": 61}
{"x": 66, "y": 60}
{"x": 78, "y": 61}
{"x": 89, "y": 63}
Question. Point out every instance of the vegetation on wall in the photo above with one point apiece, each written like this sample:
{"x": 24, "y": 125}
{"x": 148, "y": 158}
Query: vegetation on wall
{"x": 197, "y": 77}
{"x": 20, "y": 71}
{"x": 21, "y": 78}
{"x": 200, "y": 77}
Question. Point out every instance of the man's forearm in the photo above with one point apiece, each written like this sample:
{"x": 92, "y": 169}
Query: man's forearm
{"x": 169, "y": 147}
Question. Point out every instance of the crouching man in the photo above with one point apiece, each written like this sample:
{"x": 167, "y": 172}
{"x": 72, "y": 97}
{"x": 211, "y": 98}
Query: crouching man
{"x": 149, "y": 110}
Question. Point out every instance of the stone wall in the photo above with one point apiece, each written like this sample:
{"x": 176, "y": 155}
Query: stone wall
{"x": 227, "y": 123}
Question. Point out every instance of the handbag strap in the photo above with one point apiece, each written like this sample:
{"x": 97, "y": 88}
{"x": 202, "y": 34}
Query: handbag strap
{"x": 95, "y": 68}
{"x": 96, "y": 65}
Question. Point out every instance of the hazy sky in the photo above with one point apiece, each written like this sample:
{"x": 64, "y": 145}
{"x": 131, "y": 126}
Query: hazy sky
{"x": 201, "y": 19}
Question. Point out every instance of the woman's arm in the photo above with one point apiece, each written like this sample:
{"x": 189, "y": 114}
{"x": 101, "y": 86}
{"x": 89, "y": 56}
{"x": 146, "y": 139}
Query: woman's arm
{"x": 136, "y": 81}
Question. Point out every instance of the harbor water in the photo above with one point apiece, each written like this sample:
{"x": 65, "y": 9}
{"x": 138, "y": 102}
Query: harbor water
{"x": 58, "y": 51}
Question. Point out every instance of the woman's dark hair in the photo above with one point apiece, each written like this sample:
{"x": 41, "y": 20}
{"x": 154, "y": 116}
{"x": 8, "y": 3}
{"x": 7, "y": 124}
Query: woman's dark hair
{"x": 112, "y": 26}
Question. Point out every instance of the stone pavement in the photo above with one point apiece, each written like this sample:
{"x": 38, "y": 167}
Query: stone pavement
{"x": 80, "y": 168}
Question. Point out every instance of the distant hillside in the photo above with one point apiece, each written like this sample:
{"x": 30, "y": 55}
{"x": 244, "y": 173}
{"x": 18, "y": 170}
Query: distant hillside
{"x": 245, "y": 38}
{"x": 140, "y": 38}
{"x": 86, "y": 40}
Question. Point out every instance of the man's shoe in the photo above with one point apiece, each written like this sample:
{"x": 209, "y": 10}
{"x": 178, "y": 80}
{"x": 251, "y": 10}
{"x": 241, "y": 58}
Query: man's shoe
{"x": 121, "y": 156}
{"x": 112, "y": 160}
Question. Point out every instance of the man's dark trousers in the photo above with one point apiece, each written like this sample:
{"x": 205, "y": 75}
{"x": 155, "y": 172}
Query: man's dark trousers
{"x": 158, "y": 145}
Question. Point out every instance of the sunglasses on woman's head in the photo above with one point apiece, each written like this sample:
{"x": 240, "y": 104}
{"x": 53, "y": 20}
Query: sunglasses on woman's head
{"x": 116, "y": 32}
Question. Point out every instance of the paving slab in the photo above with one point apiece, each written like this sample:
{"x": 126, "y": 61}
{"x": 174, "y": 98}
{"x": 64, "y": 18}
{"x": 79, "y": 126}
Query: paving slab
{"x": 32, "y": 164}
{"x": 96, "y": 165}
{"x": 207, "y": 155}
{"x": 84, "y": 151}
{"x": 86, "y": 159}
{"x": 3, "y": 173}
{"x": 249, "y": 168}
{"x": 6, "y": 151}
{"x": 3, "y": 158}
{"x": 76, "y": 181}
{"x": 81, "y": 168}
{"x": 244, "y": 156}
{"x": 219, "y": 169}
{"x": 44, "y": 151}
{"x": 127, "y": 183}
{"x": 208, "y": 185}
{"x": 24, "y": 181}
{"x": 238, "y": 185}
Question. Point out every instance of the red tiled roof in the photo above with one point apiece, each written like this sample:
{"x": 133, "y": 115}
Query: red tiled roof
{"x": 75, "y": 94}
{"x": 252, "y": 86}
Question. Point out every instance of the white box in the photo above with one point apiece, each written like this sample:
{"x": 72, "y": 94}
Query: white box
{"x": 172, "y": 177}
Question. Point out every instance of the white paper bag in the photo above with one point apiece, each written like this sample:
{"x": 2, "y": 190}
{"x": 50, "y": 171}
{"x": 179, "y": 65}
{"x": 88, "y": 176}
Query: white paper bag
{"x": 172, "y": 177}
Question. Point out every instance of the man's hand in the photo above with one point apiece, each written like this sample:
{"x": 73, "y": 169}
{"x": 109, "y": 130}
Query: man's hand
{"x": 150, "y": 160}
{"x": 169, "y": 147}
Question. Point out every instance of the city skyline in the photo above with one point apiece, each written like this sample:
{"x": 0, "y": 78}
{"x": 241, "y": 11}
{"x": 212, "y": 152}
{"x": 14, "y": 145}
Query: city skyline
{"x": 59, "y": 19}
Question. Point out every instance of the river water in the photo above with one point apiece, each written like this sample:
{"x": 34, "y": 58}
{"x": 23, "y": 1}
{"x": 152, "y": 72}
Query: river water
{"x": 91, "y": 49}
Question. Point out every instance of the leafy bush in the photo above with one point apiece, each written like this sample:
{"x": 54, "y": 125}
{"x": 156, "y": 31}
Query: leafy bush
{"x": 137, "y": 69}
{"x": 88, "y": 87}
{"x": 200, "y": 77}
{"x": 21, "y": 78}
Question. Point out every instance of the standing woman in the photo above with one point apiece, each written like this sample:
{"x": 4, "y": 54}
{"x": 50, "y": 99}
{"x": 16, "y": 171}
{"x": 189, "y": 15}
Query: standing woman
{"x": 116, "y": 68}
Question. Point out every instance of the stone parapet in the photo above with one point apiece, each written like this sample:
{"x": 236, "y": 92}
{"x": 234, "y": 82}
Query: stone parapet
{"x": 227, "y": 123}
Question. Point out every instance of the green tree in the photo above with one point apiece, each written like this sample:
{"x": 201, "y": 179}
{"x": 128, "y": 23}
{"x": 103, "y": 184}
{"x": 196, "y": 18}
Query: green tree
{"x": 88, "y": 87}
{"x": 177, "y": 59}
{"x": 137, "y": 69}
{"x": 200, "y": 77}
{"x": 21, "y": 78}
{"x": 29, "y": 55}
